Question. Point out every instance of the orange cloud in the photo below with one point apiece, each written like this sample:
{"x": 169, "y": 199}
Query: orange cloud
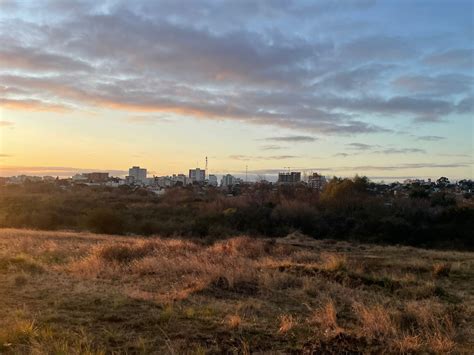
{"x": 31, "y": 105}
{"x": 52, "y": 170}
{"x": 139, "y": 107}
{"x": 6, "y": 124}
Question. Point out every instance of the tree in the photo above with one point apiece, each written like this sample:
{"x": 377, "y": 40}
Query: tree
{"x": 443, "y": 181}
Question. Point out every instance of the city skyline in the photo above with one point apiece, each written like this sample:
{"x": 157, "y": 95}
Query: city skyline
{"x": 382, "y": 89}
{"x": 251, "y": 176}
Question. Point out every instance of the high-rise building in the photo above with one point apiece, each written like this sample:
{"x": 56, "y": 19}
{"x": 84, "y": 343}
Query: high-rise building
{"x": 229, "y": 180}
{"x": 197, "y": 175}
{"x": 289, "y": 178}
{"x": 316, "y": 181}
{"x": 212, "y": 180}
{"x": 137, "y": 174}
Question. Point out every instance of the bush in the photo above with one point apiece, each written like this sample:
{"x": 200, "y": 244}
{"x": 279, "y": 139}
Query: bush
{"x": 106, "y": 221}
{"x": 346, "y": 209}
{"x": 123, "y": 253}
{"x": 443, "y": 199}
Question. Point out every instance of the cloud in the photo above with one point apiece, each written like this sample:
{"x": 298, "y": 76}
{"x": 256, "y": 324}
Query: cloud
{"x": 379, "y": 47}
{"x": 400, "y": 151}
{"x": 36, "y": 59}
{"x": 398, "y": 105}
{"x": 354, "y": 79}
{"x": 343, "y": 155}
{"x": 361, "y": 146}
{"x": 447, "y": 84}
{"x": 466, "y": 105}
{"x": 456, "y": 155}
{"x": 239, "y": 61}
{"x": 53, "y": 170}
{"x": 430, "y": 138}
{"x": 428, "y": 119}
{"x": 148, "y": 119}
{"x": 128, "y": 95}
{"x": 271, "y": 147}
{"x": 454, "y": 58}
{"x": 407, "y": 166}
{"x": 6, "y": 124}
{"x": 5, "y": 155}
{"x": 31, "y": 105}
{"x": 292, "y": 139}
{"x": 271, "y": 157}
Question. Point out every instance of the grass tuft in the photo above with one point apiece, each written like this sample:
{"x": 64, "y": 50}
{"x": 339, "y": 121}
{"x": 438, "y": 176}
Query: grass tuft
{"x": 233, "y": 321}
{"x": 375, "y": 320}
{"x": 287, "y": 322}
{"x": 441, "y": 269}
{"x": 325, "y": 318}
{"x": 333, "y": 262}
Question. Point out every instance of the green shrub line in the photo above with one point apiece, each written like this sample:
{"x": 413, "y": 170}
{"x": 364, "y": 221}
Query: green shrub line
{"x": 346, "y": 209}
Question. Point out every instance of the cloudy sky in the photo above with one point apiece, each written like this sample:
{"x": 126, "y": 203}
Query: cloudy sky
{"x": 379, "y": 88}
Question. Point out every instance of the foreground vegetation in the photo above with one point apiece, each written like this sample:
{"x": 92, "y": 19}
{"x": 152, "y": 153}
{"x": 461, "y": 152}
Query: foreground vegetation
{"x": 66, "y": 293}
{"x": 347, "y": 209}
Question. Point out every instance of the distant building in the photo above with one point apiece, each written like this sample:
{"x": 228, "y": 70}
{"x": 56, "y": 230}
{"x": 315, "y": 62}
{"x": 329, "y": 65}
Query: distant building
{"x": 115, "y": 182}
{"x": 137, "y": 174}
{"x": 21, "y": 179}
{"x": 316, "y": 181}
{"x": 197, "y": 175}
{"x": 289, "y": 178}
{"x": 181, "y": 179}
{"x": 96, "y": 177}
{"x": 212, "y": 180}
{"x": 164, "y": 181}
{"x": 229, "y": 180}
{"x": 79, "y": 178}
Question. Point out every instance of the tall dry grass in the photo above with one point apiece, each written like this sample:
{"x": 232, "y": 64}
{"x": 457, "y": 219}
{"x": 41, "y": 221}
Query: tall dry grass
{"x": 325, "y": 318}
{"x": 189, "y": 267}
{"x": 233, "y": 288}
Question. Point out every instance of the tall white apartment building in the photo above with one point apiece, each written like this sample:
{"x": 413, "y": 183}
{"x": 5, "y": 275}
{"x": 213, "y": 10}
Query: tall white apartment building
{"x": 197, "y": 175}
{"x": 137, "y": 174}
{"x": 229, "y": 180}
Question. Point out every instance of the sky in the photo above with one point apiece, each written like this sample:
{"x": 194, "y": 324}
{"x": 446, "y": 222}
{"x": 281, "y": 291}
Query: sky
{"x": 376, "y": 88}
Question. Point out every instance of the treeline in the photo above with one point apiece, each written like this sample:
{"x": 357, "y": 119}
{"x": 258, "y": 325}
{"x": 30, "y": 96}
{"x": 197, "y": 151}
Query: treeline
{"x": 346, "y": 209}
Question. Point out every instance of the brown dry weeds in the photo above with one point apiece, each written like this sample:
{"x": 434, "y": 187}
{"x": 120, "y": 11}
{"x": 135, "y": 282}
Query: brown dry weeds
{"x": 81, "y": 293}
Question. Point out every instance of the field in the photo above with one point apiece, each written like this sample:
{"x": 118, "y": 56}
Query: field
{"x": 71, "y": 293}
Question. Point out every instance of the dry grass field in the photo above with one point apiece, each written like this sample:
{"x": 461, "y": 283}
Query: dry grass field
{"x": 71, "y": 293}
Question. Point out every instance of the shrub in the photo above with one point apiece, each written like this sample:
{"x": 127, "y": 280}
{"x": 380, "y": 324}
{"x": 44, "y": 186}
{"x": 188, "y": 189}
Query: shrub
{"x": 124, "y": 253}
{"x": 441, "y": 269}
{"x": 106, "y": 221}
{"x": 443, "y": 199}
{"x": 333, "y": 262}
